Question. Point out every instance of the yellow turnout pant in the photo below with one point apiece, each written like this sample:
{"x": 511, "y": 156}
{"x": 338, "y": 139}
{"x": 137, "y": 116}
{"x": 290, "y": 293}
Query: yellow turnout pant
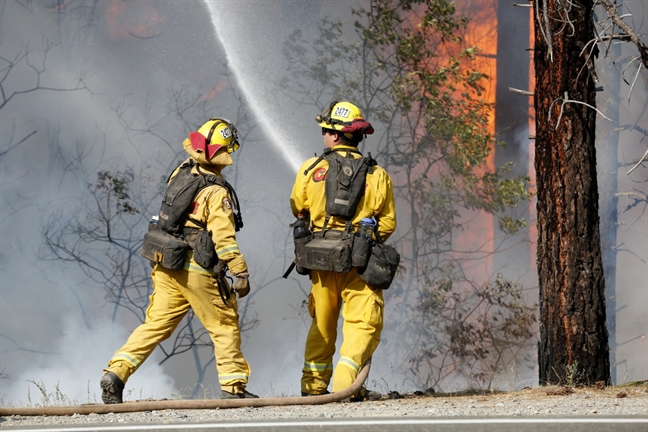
{"x": 363, "y": 322}
{"x": 174, "y": 293}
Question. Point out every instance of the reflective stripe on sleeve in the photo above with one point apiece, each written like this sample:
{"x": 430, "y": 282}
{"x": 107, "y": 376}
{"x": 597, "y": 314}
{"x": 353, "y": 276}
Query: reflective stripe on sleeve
{"x": 127, "y": 358}
{"x": 226, "y": 250}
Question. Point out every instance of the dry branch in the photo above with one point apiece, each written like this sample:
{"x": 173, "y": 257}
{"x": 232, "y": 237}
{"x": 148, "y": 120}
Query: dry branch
{"x": 641, "y": 160}
{"x": 522, "y": 92}
{"x": 618, "y": 20}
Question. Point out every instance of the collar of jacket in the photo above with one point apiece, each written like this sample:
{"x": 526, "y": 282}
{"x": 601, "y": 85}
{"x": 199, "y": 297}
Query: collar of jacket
{"x": 207, "y": 169}
{"x": 344, "y": 147}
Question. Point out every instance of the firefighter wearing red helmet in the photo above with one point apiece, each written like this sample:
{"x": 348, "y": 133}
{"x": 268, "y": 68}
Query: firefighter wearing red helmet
{"x": 193, "y": 286}
{"x": 343, "y": 128}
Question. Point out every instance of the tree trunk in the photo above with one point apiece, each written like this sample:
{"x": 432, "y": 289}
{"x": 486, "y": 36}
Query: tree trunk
{"x": 573, "y": 345}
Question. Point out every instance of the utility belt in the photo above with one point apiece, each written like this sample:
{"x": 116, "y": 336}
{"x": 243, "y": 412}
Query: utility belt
{"x": 339, "y": 251}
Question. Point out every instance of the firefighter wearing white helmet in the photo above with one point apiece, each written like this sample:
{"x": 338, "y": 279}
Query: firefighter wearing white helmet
{"x": 175, "y": 292}
{"x": 343, "y": 127}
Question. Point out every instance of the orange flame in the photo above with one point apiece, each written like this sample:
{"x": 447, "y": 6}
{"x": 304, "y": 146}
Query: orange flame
{"x": 211, "y": 94}
{"x": 481, "y": 32}
{"x": 128, "y": 19}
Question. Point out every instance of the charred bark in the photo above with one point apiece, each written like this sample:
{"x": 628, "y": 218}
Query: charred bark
{"x": 573, "y": 346}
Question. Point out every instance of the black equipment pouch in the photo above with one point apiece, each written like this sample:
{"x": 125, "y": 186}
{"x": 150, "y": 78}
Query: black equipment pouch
{"x": 165, "y": 249}
{"x": 328, "y": 251}
{"x": 361, "y": 251}
{"x": 345, "y": 184}
{"x": 181, "y": 191}
{"x": 204, "y": 250}
{"x": 300, "y": 252}
{"x": 382, "y": 266}
{"x": 331, "y": 250}
{"x": 168, "y": 244}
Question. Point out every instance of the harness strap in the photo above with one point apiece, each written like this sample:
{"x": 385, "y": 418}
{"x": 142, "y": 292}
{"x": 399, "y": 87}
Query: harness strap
{"x": 328, "y": 151}
{"x": 219, "y": 270}
{"x": 319, "y": 159}
{"x": 289, "y": 270}
{"x": 326, "y": 221}
{"x": 214, "y": 179}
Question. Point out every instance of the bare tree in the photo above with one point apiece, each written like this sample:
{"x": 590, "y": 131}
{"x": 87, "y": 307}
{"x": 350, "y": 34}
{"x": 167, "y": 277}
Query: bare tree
{"x": 22, "y": 64}
{"x": 24, "y": 71}
{"x": 610, "y": 30}
{"x": 614, "y": 20}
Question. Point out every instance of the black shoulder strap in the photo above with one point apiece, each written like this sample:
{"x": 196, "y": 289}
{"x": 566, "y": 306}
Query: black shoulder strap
{"x": 211, "y": 179}
{"x": 189, "y": 163}
{"x": 318, "y": 160}
{"x": 327, "y": 152}
{"x": 371, "y": 162}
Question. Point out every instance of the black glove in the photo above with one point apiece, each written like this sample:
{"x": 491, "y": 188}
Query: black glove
{"x": 242, "y": 284}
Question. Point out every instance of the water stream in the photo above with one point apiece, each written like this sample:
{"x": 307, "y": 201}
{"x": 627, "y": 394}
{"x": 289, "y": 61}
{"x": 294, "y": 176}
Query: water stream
{"x": 253, "y": 76}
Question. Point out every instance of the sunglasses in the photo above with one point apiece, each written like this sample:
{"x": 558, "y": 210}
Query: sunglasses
{"x": 325, "y": 131}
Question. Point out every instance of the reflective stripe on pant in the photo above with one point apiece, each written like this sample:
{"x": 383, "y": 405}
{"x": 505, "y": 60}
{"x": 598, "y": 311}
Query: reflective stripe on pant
{"x": 174, "y": 293}
{"x": 363, "y": 322}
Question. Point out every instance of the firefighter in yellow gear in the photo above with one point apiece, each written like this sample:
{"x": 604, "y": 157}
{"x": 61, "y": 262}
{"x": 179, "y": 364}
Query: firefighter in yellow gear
{"x": 176, "y": 291}
{"x": 362, "y": 307}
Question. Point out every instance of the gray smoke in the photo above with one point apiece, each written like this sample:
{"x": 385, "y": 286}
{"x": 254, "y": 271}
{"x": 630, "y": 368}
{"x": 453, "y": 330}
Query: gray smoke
{"x": 55, "y": 324}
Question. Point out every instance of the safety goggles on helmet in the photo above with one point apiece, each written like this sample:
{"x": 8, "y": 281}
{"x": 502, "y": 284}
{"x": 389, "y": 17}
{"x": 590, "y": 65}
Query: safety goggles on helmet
{"x": 211, "y": 137}
{"x": 344, "y": 117}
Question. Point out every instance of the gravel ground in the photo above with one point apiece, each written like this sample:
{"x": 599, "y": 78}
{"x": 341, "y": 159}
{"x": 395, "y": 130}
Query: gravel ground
{"x": 545, "y": 401}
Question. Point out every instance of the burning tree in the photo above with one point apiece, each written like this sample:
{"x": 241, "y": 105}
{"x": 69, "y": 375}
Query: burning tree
{"x": 410, "y": 73}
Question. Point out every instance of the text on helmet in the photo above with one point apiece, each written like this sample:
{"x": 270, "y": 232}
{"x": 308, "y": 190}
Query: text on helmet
{"x": 225, "y": 133}
{"x": 341, "y": 112}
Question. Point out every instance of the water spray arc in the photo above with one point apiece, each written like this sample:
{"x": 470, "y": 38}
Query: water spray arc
{"x": 257, "y": 92}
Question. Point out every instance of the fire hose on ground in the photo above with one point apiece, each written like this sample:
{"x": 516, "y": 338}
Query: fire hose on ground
{"x": 159, "y": 405}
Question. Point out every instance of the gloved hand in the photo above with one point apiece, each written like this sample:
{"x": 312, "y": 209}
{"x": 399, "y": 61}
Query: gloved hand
{"x": 242, "y": 284}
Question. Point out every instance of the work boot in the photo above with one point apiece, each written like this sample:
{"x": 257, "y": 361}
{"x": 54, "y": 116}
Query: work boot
{"x": 315, "y": 394}
{"x": 365, "y": 394}
{"x": 112, "y": 388}
{"x": 244, "y": 395}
